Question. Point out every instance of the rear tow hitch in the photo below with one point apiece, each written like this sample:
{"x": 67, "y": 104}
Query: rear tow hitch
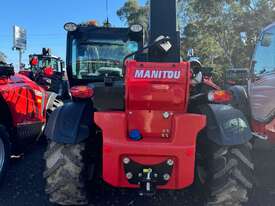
{"x": 148, "y": 177}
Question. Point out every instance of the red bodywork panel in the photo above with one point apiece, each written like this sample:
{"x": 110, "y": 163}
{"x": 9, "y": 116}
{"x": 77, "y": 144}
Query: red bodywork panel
{"x": 152, "y": 90}
{"x": 265, "y": 129}
{"x": 25, "y": 99}
{"x": 262, "y": 102}
{"x": 157, "y": 86}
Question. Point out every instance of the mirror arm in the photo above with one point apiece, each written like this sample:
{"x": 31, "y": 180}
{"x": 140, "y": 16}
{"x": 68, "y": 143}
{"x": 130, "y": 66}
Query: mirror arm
{"x": 141, "y": 50}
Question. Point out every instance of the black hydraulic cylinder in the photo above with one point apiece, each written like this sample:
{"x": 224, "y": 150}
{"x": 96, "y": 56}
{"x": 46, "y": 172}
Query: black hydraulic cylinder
{"x": 163, "y": 21}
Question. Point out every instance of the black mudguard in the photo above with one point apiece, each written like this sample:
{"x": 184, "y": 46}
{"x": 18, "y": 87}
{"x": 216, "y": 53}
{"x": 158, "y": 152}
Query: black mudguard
{"x": 240, "y": 100}
{"x": 226, "y": 125}
{"x": 71, "y": 123}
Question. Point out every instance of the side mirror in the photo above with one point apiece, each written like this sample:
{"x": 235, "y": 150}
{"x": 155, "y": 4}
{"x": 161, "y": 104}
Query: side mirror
{"x": 266, "y": 39}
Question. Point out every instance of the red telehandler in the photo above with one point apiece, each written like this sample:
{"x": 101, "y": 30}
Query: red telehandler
{"x": 257, "y": 101}
{"x": 137, "y": 120}
{"x": 48, "y": 71}
{"x": 23, "y": 110}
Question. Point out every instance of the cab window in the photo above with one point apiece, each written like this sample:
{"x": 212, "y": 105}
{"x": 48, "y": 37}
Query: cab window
{"x": 264, "y": 57}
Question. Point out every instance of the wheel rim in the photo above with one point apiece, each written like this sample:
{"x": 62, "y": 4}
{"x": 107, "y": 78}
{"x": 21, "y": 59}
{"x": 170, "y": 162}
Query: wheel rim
{"x": 2, "y": 154}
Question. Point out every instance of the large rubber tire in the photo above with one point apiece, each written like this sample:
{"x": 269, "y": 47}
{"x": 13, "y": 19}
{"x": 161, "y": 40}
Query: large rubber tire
{"x": 65, "y": 184}
{"x": 5, "y": 149}
{"x": 225, "y": 174}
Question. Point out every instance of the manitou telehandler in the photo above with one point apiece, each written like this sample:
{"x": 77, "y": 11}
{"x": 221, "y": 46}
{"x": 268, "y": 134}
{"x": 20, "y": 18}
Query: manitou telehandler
{"x": 23, "y": 111}
{"x": 259, "y": 102}
{"x": 137, "y": 121}
{"x": 48, "y": 71}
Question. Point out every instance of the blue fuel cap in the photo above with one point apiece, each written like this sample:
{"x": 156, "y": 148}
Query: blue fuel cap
{"x": 135, "y": 135}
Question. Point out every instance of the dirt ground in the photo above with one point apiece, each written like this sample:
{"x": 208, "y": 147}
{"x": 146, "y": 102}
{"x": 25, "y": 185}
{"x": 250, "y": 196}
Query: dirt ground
{"x": 24, "y": 185}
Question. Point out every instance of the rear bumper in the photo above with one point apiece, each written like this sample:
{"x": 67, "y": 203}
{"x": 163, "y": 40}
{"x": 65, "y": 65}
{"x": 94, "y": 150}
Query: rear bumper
{"x": 180, "y": 148}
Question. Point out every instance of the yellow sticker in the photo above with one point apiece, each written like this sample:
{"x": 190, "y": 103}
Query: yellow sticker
{"x": 147, "y": 170}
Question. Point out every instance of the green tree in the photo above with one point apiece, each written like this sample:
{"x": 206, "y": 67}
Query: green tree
{"x": 131, "y": 13}
{"x": 234, "y": 25}
{"x": 223, "y": 33}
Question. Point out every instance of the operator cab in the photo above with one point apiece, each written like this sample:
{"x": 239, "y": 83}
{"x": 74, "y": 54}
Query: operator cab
{"x": 95, "y": 58}
{"x": 48, "y": 71}
{"x": 38, "y": 61}
{"x": 261, "y": 86}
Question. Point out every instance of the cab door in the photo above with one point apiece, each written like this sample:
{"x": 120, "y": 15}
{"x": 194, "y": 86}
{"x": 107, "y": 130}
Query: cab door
{"x": 262, "y": 84}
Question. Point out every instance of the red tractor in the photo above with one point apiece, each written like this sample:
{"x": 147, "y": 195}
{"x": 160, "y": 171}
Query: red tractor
{"x": 48, "y": 71}
{"x": 23, "y": 108}
{"x": 137, "y": 119}
{"x": 259, "y": 103}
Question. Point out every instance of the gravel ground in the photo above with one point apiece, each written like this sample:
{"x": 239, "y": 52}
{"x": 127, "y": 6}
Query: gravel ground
{"x": 24, "y": 185}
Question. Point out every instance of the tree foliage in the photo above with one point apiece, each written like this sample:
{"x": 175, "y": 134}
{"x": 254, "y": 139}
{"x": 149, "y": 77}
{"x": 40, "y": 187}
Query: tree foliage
{"x": 223, "y": 33}
{"x": 131, "y": 12}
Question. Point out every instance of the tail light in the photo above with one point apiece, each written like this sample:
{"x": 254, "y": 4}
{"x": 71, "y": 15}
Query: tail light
{"x": 82, "y": 92}
{"x": 219, "y": 96}
{"x": 48, "y": 72}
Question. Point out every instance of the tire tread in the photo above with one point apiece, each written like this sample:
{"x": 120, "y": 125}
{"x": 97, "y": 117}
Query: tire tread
{"x": 64, "y": 167}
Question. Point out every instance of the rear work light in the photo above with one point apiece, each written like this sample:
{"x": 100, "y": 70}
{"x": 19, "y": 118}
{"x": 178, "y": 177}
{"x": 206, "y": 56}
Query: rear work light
{"x": 219, "y": 96}
{"x": 70, "y": 26}
{"x": 82, "y": 92}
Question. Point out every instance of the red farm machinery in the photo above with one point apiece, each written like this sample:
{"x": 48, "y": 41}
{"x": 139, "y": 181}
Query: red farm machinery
{"x": 48, "y": 71}
{"x": 137, "y": 120}
{"x": 23, "y": 110}
{"x": 257, "y": 100}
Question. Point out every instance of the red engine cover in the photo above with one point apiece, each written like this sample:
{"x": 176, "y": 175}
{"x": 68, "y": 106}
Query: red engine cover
{"x": 26, "y": 100}
{"x": 157, "y": 86}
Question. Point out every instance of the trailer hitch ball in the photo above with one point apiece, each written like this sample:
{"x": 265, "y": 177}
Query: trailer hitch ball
{"x": 170, "y": 162}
